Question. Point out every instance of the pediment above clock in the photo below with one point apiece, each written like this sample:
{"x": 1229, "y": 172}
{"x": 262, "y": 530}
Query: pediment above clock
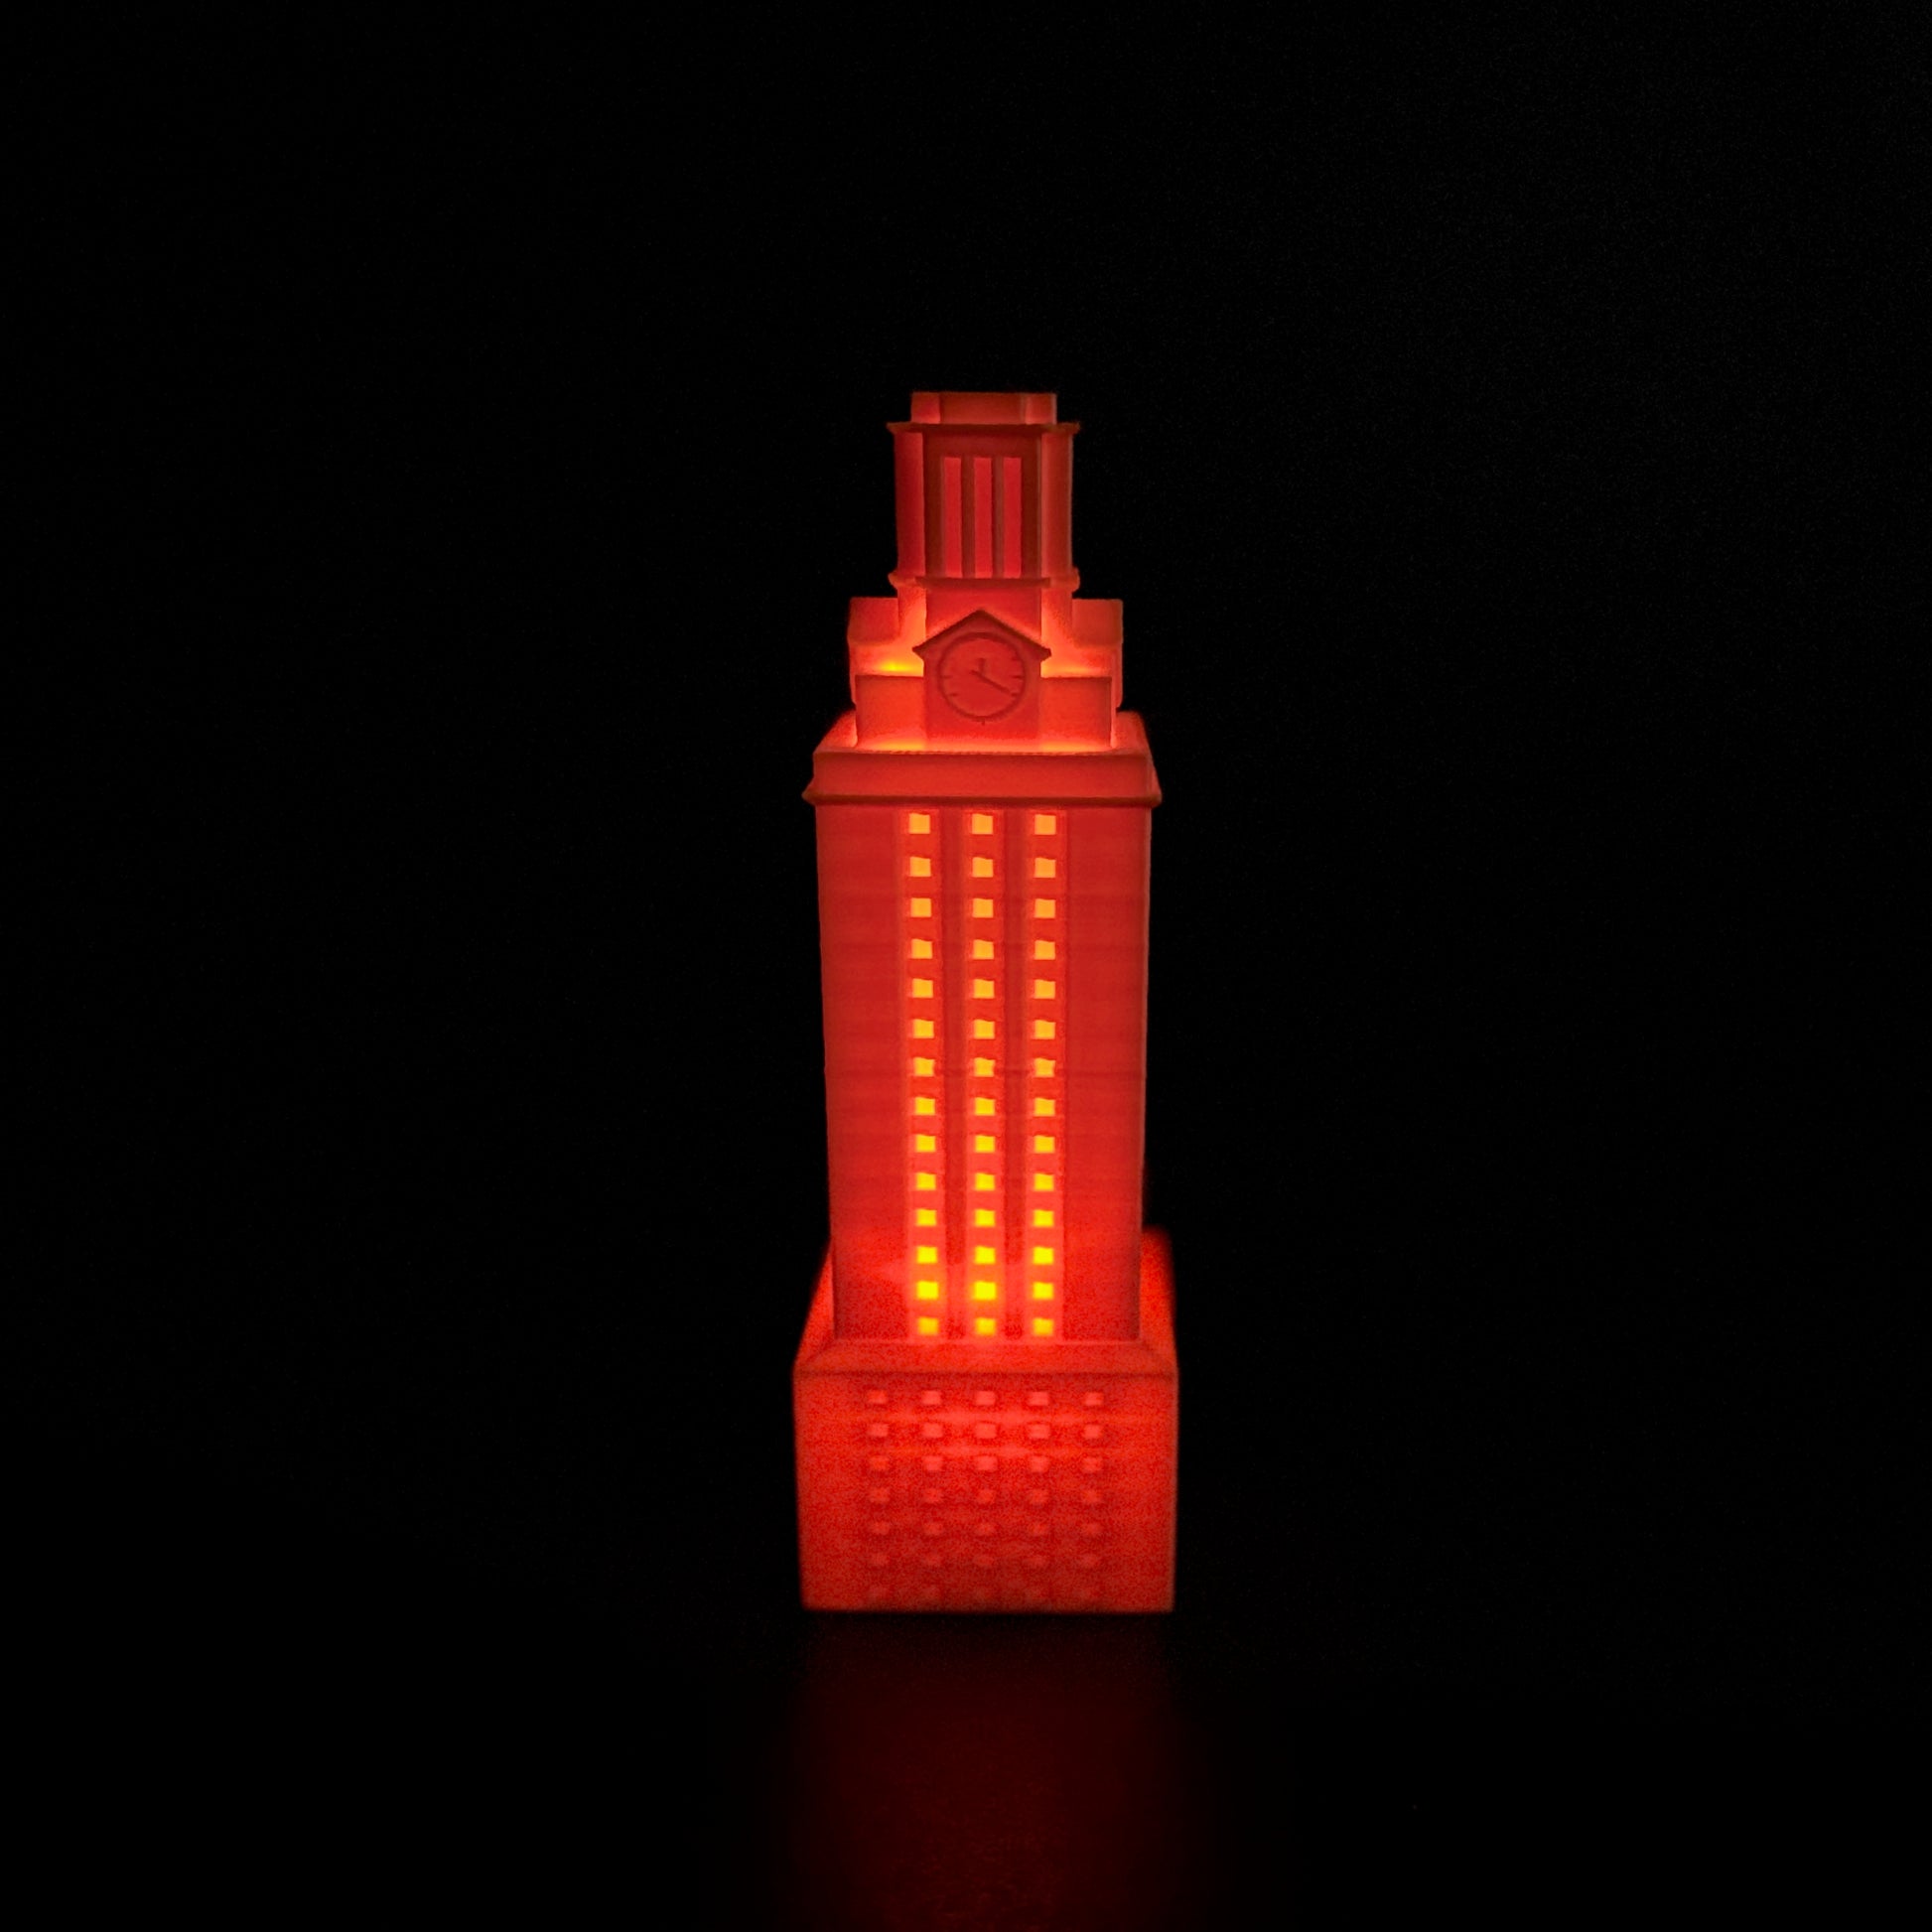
{"x": 978, "y": 624}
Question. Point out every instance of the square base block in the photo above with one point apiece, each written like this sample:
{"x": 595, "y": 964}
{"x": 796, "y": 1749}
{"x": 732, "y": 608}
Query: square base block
{"x": 961, "y": 1475}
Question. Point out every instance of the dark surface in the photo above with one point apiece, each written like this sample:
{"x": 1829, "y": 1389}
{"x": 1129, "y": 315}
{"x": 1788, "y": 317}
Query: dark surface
{"x": 1474, "y": 431}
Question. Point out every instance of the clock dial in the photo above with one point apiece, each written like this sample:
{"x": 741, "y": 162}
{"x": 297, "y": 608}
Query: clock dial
{"x": 983, "y": 675}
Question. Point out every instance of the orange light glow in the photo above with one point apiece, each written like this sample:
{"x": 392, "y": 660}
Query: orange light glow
{"x": 985, "y": 729}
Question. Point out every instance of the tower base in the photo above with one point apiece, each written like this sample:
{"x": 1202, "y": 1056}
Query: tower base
{"x": 962, "y": 1475}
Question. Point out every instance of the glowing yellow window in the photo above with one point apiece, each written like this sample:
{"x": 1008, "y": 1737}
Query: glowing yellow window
{"x": 1044, "y": 1107}
{"x": 984, "y": 1257}
{"x": 982, "y": 988}
{"x": 982, "y": 868}
{"x": 923, "y": 1069}
{"x": 1043, "y": 948}
{"x": 923, "y": 1103}
{"x": 919, "y": 866}
{"x": 1042, "y": 1144}
{"x": 982, "y": 822}
{"x": 982, "y": 1107}
{"x": 1042, "y": 1029}
{"x": 928, "y": 1325}
{"x": 986, "y": 1290}
{"x": 922, "y": 989}
{"x": 1042, "y": 1183}
{"x": 1042, "y": 1291}
{"x": 926, "y": 1184}
{"x": 926, "y": 1144}
{"x": 982, "y": 1068}
{"x": 925, "y": 1218}
{"x": 982, "y": 1184}
{"x": 1042, "y": 989}
{"x": 923, "y": 1029}
{"x": 1043, "y": 1257}
{"x": 1043, "y": 1219}
{"x": 1042, "y": 1325}
{"x": 984, "y": 1143}
{"x": 1043, "y": 908}
{"x": 926, "y": 1291}
{"x": 918, "y": 822}
{"x": 982, "y": 1029}
{"x": 1045, "y": 823}
{"x": 1043, "y": 1069}
{"x": 982, "y": 948}
{"x": 922, "y": 949}
{"x": 984, "y": 1217}
{"x": 985, "y": 1324}
{"x": 982, "y": 909}
{"x": 1046, "y": 869}
{"x": 926, "y": 1257}
{"x": 920, "y": 909}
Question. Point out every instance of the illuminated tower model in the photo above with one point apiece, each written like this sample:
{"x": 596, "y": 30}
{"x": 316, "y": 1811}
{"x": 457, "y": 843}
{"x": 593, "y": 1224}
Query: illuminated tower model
{"x": 985, "y": 1394}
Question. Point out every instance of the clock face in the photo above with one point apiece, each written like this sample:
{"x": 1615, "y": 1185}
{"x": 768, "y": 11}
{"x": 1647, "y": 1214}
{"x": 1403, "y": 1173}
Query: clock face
{"x": 983, "y": 675}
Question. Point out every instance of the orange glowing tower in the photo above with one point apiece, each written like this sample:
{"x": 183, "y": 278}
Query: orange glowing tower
{"x": 985, "y": 1394}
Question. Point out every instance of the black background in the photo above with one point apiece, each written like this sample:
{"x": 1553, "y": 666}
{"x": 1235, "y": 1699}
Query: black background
{"x": 1477, "y": 430}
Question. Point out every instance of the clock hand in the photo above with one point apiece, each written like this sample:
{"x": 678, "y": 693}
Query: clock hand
{"x": 980, "y": 672}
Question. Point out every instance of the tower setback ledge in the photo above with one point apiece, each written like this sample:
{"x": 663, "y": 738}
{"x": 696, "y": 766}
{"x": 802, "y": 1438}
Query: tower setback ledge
{"x": 1120, "y": 774}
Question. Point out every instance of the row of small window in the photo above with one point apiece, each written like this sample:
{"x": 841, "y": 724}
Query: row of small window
{"x": 982, "y": 909}
{"x": 986, "y": 989}
{"x": 918, "y": 866}
{"x": 926, "y": 1069}
{"x": 980, "y": 824}
{"x": 981, "y": 948}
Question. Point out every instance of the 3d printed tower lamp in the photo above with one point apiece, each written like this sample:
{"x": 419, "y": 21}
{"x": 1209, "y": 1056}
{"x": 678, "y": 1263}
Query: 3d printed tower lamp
{"x": 986, "y": 1396}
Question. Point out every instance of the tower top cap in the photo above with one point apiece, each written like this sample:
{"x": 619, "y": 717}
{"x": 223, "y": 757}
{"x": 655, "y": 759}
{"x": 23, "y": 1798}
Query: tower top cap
{"x": 983, "y": 406}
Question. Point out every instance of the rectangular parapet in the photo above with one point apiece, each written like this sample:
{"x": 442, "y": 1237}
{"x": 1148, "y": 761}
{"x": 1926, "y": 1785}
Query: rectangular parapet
{"x": 1120, "y": 774}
